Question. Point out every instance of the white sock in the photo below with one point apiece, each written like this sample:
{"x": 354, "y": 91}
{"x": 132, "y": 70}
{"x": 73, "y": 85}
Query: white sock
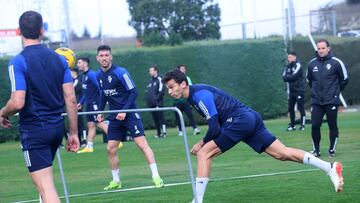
{"x": 89, "y": 144}
{"x": 116, "y": 175}
{"x": 200, "y": 188}
{"x": 164, "y": 128}
{"x": 316, "y": 162}
{"x": 154, "y": 170}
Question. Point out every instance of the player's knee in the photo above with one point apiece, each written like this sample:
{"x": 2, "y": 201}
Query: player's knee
{"x": 283, "y": 155}
{"x": 91, "y": 125}
{"x": 111, "y": 149}
{"x": 202, "y": 155}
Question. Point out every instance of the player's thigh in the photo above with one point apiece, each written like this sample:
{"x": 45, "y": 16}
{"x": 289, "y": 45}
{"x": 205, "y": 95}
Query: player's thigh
{"x": 210, "y": 150}
{"x": 134, "y": 125}
{"x": 291, "y": 102}
{"x": 331, "y": 112}
{"x": 116, "y": 130}
{"x": 103, "y": 126}
{"x": 261, "y": 138}
{"x": 91, "y": 117}
{"x": 236, "y": 129}
{"x": 317, "y": 114}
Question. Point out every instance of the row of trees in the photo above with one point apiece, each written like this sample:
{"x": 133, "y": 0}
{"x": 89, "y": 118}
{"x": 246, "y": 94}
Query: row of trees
{"x": 173, "y": 21}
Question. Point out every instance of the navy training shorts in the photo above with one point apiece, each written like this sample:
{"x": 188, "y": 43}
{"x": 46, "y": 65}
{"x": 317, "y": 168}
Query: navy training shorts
{"x": 117, "y": 130}
{"x": 247, "y": 127}
{"x": 39, "y": 146}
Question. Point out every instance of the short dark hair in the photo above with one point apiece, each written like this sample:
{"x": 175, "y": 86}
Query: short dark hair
{"x": 175, "y": 74}
{"x": 30, "y": 23}
{"x": 323, "y": 40}
{"x": 292, "y": 53}
{"x": 154, "y": 66}
{"x": 180, "y": 65}
{"x": 84, "y": 58}
{"x": 104, "y": 48}
{"x": 74, "y": 70}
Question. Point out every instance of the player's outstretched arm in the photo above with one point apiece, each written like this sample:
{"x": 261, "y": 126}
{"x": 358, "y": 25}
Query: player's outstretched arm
{"x": 71, "y": 109}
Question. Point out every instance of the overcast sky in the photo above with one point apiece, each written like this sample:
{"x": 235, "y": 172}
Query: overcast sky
{"x": 115, "y": 15}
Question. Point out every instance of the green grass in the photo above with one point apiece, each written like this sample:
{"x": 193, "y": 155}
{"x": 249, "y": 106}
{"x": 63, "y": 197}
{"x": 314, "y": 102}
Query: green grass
{"x": 87, "y": 173}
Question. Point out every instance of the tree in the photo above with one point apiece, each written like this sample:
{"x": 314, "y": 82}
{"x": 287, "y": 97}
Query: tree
{"x": 86, "y": 33}
{"x": 175, "y": 20}
{"x": 352, "y": 1}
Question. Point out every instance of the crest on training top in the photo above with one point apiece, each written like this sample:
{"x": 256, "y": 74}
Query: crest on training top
{"x": 328, "y": 66}
{"x": 109, "y": 78}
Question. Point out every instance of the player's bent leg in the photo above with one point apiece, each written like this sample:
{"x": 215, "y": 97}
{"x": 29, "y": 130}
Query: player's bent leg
{"x": 90, "y": 138}
{"x": 204, "y": 157}
{"x": 43, "y": 180}
{"x": 92, "y": 131}
{"x": 103, "y": 126}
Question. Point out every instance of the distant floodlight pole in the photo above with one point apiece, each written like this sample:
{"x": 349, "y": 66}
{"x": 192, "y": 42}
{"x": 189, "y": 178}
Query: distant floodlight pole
{"x": 67, "y": 23}
{"x": 243, "y": 25}
{"x": 314, "y": 45}
{"x": 254, "y": 17}
{"x": 100, "y": 22}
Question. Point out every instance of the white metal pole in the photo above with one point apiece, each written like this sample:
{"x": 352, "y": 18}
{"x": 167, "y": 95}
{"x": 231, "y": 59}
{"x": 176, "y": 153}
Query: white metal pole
{"x": 62, "y": 175}
{"x": 186, "y": 145}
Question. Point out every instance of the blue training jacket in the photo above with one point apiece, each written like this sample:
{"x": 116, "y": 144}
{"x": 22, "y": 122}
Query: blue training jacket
{"x": 215, "y": 105}
{"x": 40, "y": 72}
{"x": 91, "y": 93}
{"x": 117, "y": 88}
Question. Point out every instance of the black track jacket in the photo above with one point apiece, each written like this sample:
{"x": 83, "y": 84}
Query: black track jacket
{"x": 326, "y": 76}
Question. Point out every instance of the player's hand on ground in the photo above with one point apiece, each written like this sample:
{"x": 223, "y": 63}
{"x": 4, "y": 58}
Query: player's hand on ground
{"x": 121, "y": 116}
{"x": 73, "y": 143}
{"x": 100, "y": 118}
{"x": 5, "y": 122}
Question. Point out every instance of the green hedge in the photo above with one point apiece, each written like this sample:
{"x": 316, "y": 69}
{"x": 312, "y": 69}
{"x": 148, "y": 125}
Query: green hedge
{"x": 347, "y": 49}
{"x": 249, "y": 70}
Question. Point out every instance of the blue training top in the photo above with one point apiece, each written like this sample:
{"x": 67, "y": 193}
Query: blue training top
{"x": 117, "y": 88}
{"x": 40, "y": 72}
{"x": 215, "y": 105}
{"x": 91, "y": 93}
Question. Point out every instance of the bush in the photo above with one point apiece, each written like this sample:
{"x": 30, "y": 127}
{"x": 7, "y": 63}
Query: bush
{"x": 245, "y": 69}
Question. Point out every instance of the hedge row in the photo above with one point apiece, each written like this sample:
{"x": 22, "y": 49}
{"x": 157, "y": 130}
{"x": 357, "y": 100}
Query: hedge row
{"x": 249, "y": 70}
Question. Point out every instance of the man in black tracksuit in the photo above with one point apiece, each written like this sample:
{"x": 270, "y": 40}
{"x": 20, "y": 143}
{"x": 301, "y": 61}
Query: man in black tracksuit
{"x": 154, "y": 99}
{"x": 327, "y": 76}
{"x": 293, "y": 75}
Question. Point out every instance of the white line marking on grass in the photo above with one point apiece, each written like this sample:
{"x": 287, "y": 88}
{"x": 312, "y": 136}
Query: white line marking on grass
{"x": 182, "y": 183}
